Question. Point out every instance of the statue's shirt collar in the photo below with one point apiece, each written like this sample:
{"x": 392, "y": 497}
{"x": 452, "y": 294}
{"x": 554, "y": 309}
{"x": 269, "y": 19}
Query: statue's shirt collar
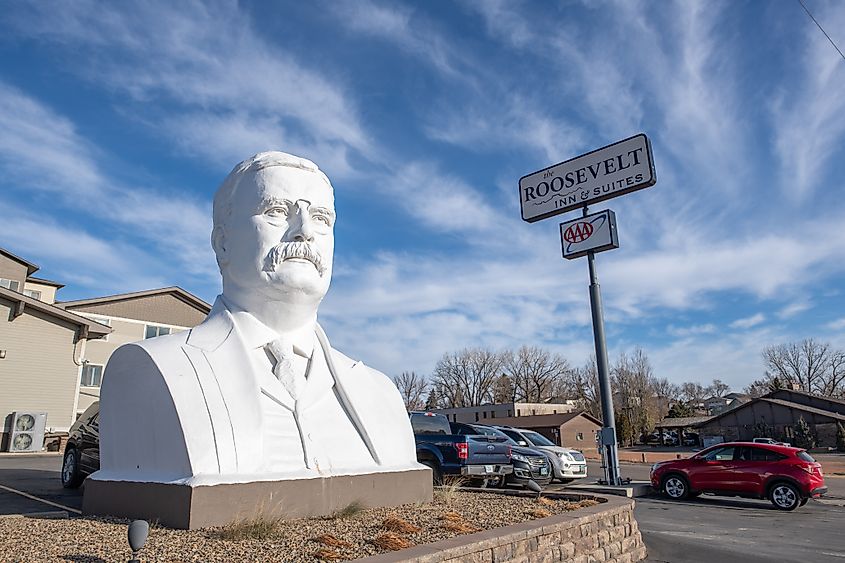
{"x": 256, "y": 334}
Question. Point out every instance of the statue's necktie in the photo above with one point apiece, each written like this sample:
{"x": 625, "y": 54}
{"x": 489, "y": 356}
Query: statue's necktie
{"x": 284, "y": 369}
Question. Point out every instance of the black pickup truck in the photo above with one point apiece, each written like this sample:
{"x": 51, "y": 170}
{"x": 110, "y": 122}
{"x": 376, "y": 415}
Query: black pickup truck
{"x": 478, "y": 458}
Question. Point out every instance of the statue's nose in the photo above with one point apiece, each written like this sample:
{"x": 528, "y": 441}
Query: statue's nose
{"x": 302, "y": 229}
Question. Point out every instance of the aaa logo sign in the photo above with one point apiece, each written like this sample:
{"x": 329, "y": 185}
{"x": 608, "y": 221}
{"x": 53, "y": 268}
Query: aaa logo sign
{"x": 593, "y": 233}
{"x": 579, "y": 232}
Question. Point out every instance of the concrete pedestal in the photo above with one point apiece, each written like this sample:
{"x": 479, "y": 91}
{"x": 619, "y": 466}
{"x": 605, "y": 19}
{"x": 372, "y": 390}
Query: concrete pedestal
{"x": 191, "y": 507}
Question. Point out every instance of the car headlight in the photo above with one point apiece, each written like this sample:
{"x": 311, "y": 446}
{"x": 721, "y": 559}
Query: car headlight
{"x": 565, "y": 456}
{"x": 519, "y": 457}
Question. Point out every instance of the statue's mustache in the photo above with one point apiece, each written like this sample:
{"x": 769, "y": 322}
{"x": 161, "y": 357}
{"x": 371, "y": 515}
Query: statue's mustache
{"x": 287, "y": 250}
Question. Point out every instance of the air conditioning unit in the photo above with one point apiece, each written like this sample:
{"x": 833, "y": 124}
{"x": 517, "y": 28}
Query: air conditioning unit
{"x": 27, "y": 431}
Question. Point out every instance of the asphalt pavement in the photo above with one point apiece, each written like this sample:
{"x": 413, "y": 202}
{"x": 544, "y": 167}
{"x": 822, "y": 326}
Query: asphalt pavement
{"x": 707, "y": 529}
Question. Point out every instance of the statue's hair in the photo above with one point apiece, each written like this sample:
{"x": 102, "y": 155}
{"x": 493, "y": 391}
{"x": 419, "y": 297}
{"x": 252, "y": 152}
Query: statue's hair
{"x": 226, "y": 192}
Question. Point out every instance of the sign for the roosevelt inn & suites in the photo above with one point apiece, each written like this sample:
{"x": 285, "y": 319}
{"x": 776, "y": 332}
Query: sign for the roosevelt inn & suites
{"x": 605, "y": 173}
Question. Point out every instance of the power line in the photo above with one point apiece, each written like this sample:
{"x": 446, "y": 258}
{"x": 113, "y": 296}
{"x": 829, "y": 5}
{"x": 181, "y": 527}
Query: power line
{"x": 820, "y": 27}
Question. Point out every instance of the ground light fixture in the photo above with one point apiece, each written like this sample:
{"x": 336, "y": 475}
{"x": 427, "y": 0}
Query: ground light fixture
{"x": 532, "y": 484}
{"x": 138, "y": 531}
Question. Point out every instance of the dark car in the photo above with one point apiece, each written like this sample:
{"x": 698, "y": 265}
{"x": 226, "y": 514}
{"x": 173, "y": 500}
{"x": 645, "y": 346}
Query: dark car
{"x": 528, "y": 463}
{"x": 82, "y": 452}
{"x": 788, "y": 477}
{"x": 477, "y": 457}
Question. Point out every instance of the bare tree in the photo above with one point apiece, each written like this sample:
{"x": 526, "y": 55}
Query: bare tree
{"x": 466, "y": 378}
{"x": 503, "y": 391}
{"x": 413, "y": 389}
{"x": 692, "y": 392}
{"x": 718, "y": 388}
{"x": 664, "y": 393}
{"x": 813, "y": 366}
{"x": 584, "y": 382}
{"x": 634, "y": 392}
{"x": 534, "y": 372}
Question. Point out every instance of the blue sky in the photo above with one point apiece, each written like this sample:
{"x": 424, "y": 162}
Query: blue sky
{"x": 118, "y": 122}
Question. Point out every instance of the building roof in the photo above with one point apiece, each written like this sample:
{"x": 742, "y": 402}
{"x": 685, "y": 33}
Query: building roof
{"x": 682, "y": 421}
{"x": 43, "y": 281}
{"x": 781, "y": 402}
{"x": 541, "y": 420}
{"x": 806, "y": 394}
{"x": 805, "y": 408}
{"x": 177, "y": 291}
{"x": 30, "y": 267}
{"x": 91, "y": 329}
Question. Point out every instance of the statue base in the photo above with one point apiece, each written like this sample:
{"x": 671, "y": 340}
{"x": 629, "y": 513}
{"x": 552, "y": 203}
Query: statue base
{"x": 190, "y": 507}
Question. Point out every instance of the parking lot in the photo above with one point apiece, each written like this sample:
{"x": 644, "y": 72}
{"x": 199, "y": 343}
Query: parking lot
{"x": 708, "y": 529}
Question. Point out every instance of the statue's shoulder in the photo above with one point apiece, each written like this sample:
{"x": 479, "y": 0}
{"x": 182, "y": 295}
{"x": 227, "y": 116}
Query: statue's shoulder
{"x": 161, "y": 351}
{"x": 359, "y": 369}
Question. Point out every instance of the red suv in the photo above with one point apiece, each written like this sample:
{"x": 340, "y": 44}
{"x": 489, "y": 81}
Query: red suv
{"x": 786, "y": 476}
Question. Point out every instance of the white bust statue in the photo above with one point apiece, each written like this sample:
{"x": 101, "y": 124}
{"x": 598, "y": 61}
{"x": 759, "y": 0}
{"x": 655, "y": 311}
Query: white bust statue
{"x": 255, "y": 391}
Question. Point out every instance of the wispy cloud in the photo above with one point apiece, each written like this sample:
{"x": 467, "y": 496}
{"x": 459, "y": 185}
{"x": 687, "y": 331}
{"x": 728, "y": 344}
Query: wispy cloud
{"x": 749, "y": 322}
{"x": 209, "y": 59}
{"x": 809, "y": 117}
{"x": 838, "y": 324}
{"x": 685, "y": 331}
{"x": 44, "y": 153}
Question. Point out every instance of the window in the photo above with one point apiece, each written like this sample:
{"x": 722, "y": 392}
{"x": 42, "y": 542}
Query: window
{"x": 92, "y": 375}
{"x": 759, "y": 454}
{"x": 32, "y": 293}
{"x": 152, "y": 331}
{"x": 579, "y": 436}
{"x": 484, "y": 414}
{"x": 720, "y": 454}
{"x": 14, "y": 285}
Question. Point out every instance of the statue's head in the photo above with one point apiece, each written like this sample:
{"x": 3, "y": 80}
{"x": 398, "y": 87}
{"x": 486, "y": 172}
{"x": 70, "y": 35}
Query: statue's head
{"x": 274, "y": 229}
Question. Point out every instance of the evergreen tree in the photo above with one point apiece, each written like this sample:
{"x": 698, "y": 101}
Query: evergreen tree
{"x": 803, "y": 434}
{"x": 681, "y": 410}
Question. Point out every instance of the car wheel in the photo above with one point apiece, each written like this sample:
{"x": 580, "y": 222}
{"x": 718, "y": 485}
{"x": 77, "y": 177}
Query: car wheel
{"x": 804, "y": 501}
{"x": 71, "y": 477}
{"x": 436, "y": 475}
{"x": 785, "y": 496}
{"x": 675, "y": 487}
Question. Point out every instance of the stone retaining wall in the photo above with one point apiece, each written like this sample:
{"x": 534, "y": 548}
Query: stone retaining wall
{"x": 605, "y": 532}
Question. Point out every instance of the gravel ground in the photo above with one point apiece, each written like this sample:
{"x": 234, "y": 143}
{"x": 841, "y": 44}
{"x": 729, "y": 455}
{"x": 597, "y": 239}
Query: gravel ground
{"x": 342, "y": 537}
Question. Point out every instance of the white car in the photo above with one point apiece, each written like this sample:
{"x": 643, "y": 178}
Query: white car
{"x": 568, "y": 464}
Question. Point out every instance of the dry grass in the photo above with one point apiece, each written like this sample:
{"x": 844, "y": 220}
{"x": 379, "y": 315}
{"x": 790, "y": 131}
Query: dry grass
{"x": 391, "y": 541}
{"x": 448, "y": 493}
{"x": 451, "y": 516}
{"x": 576, "y": 505}
{"x": 539, "y": 513}
{"x": 546, "y": 501}
{"x": 460, "y": 526}
{"x": 327, "y": 554}
{"x": 331, "y": 541}
{"x": 354, "y": 508}
{"x": 396, "y": 524}
{"x": 249, "y": 529}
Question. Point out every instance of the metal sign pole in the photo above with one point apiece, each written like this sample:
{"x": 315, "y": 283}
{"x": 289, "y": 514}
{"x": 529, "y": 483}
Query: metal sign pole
{"x": 608, "y": 435}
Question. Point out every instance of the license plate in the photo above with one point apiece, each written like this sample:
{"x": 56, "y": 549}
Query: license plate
{"x": 488, "y": 469}
{"x": 544, "y": 471}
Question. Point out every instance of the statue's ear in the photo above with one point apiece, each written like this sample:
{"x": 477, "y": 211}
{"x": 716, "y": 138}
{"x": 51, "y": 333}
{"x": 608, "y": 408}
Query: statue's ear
{"x": 218, "y": 243}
